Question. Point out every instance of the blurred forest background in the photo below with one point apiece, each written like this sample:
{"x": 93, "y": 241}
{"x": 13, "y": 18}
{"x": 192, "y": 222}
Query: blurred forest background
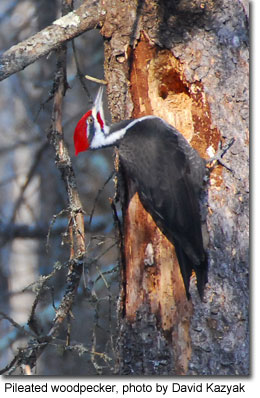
{"x": 33, "y": 224}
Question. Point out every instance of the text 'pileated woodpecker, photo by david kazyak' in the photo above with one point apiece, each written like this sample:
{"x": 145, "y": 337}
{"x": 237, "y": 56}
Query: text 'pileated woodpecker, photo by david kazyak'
{"x": 166, "y": 172}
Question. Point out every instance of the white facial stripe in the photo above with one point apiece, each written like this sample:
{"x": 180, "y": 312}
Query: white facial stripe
{"x": 105, "y": 139}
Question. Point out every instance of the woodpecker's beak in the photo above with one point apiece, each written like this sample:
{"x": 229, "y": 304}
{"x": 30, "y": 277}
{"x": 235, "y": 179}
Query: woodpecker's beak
{"x": 98, "y": 104}
{"x": 97, "y": 109}
{"x": 98, "y": 101}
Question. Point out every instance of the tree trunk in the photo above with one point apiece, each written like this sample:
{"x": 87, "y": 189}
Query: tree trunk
{"x": 186, "y": 62}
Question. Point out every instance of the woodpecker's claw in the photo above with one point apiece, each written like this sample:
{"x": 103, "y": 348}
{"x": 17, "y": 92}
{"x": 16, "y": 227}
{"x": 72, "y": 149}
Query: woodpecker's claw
{"x": 219, "y": 155}
{"x": 226, "y": 147}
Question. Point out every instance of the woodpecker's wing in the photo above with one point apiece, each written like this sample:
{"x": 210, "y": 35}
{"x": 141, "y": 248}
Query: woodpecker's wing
{"x": 163, "y": 166}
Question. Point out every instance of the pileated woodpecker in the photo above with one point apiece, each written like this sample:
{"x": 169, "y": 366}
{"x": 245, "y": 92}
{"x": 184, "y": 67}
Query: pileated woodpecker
{"x": 166, "y": 172}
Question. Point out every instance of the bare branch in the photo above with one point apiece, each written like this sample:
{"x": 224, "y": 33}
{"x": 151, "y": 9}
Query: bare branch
{"x": 76, "y": 218}
{"x": 88, "y": 16}
{"x": 63, "y": 162}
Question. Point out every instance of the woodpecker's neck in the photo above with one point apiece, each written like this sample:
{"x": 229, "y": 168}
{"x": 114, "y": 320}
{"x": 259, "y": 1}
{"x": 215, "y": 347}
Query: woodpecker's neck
{"x": 112, "y": 135}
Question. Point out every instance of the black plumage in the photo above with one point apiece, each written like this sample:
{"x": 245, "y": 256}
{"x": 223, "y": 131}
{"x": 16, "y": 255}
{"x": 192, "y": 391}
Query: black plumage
{"x": 168, "y": 175}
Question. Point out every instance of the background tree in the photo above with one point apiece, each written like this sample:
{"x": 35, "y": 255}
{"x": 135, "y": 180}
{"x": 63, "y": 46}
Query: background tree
{"x": 188, "y": 63}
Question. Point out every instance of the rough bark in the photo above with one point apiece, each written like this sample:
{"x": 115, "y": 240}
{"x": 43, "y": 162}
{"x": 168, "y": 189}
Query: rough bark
{"x": 186, "y": 61}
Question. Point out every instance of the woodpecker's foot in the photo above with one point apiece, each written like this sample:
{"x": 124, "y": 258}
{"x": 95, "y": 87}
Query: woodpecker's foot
{"x": 219, "y": 155}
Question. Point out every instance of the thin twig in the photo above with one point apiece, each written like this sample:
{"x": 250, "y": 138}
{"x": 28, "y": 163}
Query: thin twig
{"x": 79, "y": 73}
{"x": 95, "y": 79}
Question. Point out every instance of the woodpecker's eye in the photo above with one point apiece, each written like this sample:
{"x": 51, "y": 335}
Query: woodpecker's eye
{"x": 90, "y": 120}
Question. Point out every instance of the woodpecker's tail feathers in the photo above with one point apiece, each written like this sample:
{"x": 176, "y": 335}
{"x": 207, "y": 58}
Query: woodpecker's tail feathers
{"x": 186, "y": 267}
